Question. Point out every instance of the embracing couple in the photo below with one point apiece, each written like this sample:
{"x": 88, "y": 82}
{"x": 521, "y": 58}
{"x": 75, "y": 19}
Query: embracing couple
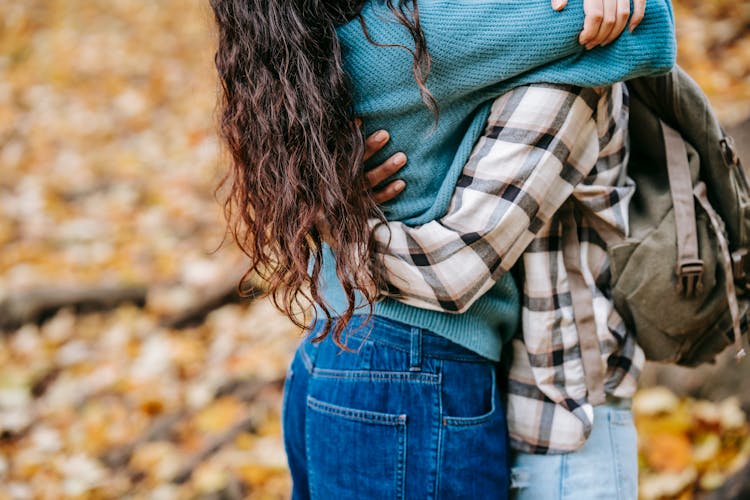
{"x": 444, "y": 359}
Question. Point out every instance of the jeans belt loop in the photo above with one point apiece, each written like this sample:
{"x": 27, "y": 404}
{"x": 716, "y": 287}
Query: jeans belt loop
{"x": 415, "y": 352}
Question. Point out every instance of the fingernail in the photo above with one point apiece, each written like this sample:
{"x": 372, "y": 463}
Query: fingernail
{"x": 399, "y": 159}
{"x": 399, "y": 185}
{"x": 381, "y": 136}
{"x": 557, "y": 4}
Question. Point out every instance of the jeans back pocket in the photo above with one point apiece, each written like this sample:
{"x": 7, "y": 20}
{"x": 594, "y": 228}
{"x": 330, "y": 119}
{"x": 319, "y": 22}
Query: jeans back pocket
{"x": 354, "y": 453}
{"x": 474, "y": 461}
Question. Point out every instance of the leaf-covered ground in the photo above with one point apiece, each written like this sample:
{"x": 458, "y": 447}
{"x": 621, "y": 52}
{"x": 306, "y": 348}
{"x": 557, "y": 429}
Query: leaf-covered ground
{"x": 108, "y": 162}
{"x": 714, "y": 47}
{"x": 686, "y": 444}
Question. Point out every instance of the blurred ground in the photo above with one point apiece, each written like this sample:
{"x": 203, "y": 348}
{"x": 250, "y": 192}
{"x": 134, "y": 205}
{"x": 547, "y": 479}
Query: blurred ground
{"x": 108, "y": 161}
{"x": 714, "y": 47}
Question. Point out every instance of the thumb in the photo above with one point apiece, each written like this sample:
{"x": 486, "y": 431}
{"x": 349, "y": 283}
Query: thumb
{"x": 559, "y": 4}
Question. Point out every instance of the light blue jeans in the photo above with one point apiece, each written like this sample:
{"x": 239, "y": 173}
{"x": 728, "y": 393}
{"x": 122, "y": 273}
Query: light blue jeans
{"x": 606, "y": 467}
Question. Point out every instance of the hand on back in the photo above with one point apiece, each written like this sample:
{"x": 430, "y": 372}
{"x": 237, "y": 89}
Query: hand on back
{"x": 605, "y": 19}
{"x": 377, "y": 175}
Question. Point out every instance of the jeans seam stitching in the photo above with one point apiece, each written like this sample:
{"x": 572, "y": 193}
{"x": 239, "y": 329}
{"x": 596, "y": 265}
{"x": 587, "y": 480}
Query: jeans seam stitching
{"x": 401, "y": 468}
{"x": 444, "y": 356}
{"x": 422, "y": 378}
{"x": 358, "y": 415}
{"x": 306, "y": 361}
{"x": 387, "y": 323}
{"x": 311, "y": 473}
{"x": 440, "y": 433}
{"x": 615, "y": 454}
{"x": 563, "y": 473}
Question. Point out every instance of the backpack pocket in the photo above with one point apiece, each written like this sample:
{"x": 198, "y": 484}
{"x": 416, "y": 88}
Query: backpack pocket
{"x": 645, "y": 290}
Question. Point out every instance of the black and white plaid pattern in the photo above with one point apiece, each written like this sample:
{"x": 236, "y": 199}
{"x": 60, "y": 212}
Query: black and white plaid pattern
{"x": 543, "y": 145}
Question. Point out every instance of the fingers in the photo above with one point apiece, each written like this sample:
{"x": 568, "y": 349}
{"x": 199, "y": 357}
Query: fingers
{"x": 621, "y": 19}
{"x": 386, "y": 169}
{"x": 594, "y": 10}
{"x": 559, "y": 4}
{"x": 605, "y": 21}
{"x": 608, "y": 18}
{"x": 375, "y": 143}
{"x": 639, "y": 10}
{"x": 389, "y": 192}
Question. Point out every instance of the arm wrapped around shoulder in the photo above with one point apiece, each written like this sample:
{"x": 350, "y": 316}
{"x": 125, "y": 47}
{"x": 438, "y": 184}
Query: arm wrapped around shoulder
{"x": 491, "y": 45}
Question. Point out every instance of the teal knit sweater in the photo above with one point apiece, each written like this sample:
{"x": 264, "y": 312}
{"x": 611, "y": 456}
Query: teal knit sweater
{"x": 479, "y": 49}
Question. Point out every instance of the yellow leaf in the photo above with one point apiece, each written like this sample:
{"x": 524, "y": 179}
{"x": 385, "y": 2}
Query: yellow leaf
{"x": 256, "y": 475}
{"x": 712, "y": 480}
{"x": 159, "y": 460}
{"x": 219, "y": 415}
{"x": 654, "y": 401}
{"x": 668, "y": 452}
{"x": 210, "y": 478}
{"x": 665, "y": 485}
{"x": 706, "y": 449}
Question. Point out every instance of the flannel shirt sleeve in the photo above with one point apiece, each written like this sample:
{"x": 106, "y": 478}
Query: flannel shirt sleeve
{"x": 539, "y": 143}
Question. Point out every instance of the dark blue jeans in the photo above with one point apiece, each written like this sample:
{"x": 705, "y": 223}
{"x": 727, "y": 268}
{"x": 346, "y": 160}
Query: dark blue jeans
{"x": 406, "y": 414}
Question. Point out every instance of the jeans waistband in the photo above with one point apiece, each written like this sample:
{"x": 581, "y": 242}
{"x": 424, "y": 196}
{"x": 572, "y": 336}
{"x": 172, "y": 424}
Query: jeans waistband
{"x": 417, "y": 341}
{"x": 619, "y": 403}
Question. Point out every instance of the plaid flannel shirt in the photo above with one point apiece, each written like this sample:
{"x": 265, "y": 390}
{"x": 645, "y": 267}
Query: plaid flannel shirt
{"x": 543, "y": 146}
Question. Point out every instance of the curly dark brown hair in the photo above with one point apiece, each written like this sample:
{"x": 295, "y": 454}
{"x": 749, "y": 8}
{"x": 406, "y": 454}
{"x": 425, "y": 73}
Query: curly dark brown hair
{"x": 287, "y": 119}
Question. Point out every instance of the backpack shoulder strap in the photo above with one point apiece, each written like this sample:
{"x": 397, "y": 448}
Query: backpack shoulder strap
{"x": 689, "y": 265}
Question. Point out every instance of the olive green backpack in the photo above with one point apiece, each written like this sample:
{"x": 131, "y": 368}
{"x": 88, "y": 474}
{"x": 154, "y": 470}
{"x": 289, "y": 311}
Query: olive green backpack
{"x": 680, "y": 280}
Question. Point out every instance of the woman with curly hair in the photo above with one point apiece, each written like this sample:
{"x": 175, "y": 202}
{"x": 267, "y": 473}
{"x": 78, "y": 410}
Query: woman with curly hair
{"x": 385, "y": 399}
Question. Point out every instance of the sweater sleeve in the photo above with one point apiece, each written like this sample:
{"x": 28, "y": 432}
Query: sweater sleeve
{"x": 540, "y": 142}
{"x": 478, "y": 45}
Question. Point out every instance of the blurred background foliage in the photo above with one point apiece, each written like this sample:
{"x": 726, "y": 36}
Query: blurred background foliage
{"x": 128, "y": 368}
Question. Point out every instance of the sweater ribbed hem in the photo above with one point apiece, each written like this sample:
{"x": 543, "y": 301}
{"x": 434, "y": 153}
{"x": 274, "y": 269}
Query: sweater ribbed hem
{"x": 490, "y": 321}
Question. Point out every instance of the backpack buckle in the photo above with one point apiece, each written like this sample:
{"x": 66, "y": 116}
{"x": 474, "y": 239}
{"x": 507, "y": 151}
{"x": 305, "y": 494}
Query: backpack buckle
{"x": 690, "y": 277}
{"x": 741, "y": 268}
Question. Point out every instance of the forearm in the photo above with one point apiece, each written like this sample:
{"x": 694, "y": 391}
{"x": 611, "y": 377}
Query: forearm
{"x": 432, "y": 267}
{"x": 539, "y": 144}
{"x": 498, "y": 41}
